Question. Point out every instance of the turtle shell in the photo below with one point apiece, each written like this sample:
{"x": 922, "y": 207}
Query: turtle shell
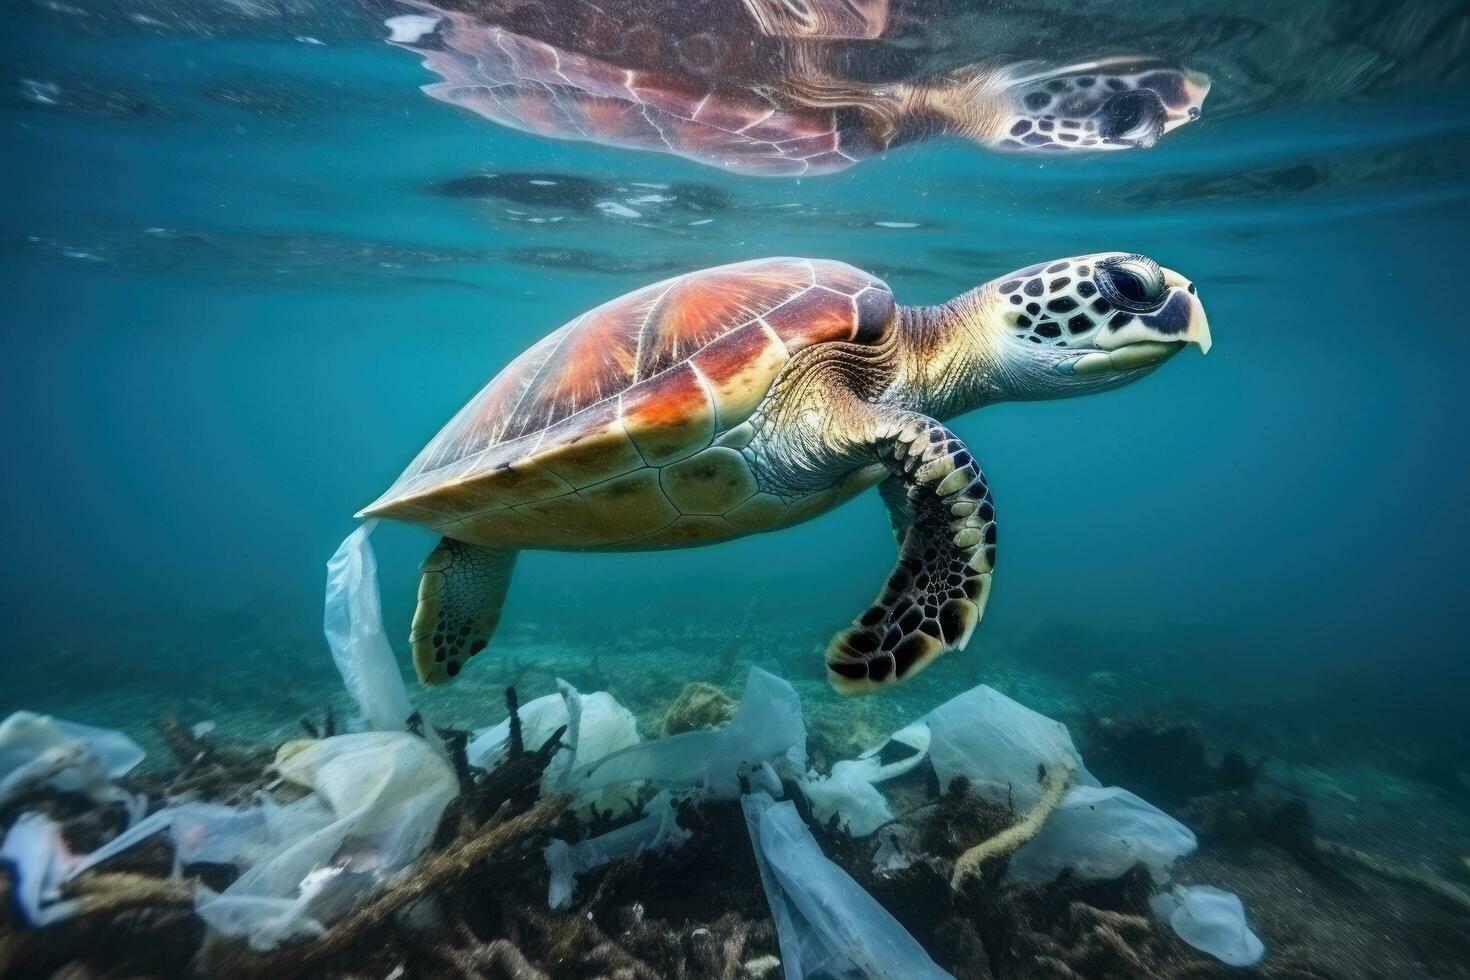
{"x": 538, "y": 87}
{"x": 624, "y": 391}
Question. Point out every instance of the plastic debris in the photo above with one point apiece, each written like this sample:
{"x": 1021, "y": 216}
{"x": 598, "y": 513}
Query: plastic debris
{"x": 1212, "y": 921}
{"x": 855, "y": 801}
{"x": 900, "y": 753}
{"x": 1101, "y": 833}
{"x": 767, "y": 732}
{"x": 212, "y": 833}
{"x": 850, "y": 792}
{"x": 410, "y": 28}
{"x": 826, "y": 924}
{"x": 1001, "y": 746}
{"x": 353, "y": 623}
{"x": 41, "y": 862}
{"x": 657, "y": 830}
{"x": 38, "y": 750}
{"x": 385, "y": 792}
{"x": 896, "y": 850}
{"x": 539, "y": 718}
{"x": 597, "y": 725}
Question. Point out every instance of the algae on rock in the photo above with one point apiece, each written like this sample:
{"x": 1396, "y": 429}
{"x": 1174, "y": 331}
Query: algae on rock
{"x": 699, "y": 705}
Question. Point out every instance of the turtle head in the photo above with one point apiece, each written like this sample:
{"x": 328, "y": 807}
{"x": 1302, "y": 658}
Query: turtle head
{"x": 1078, "y": 325}
{"x": 1116, "y": 104}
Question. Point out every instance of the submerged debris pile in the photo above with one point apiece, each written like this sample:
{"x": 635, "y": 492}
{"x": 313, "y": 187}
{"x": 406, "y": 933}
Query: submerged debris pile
{"x": 374, "y": 850}
{"x": 974, "y": 842}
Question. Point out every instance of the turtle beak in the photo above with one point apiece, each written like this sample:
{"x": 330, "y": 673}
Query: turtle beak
{"x": 1152, "y": 338}
{"x": 1197, "y": 326}
{"x": 1193, "y": 86}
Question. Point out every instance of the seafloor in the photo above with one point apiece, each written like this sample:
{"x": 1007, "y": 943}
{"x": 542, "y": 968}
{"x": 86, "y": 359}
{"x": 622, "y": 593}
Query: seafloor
{"x": 1350, "y": 862}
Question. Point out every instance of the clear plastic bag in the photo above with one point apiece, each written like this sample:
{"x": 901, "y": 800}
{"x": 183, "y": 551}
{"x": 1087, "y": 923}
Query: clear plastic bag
{"x": 384, "y": 792}
{"x": 38, "y": 750}
{"x": 767, "y": 732}
{"x": 596, "y": 726}
{"x": 353, "y": 622}
{"x": 657, "y": 830}
{"x": 827, "y": 925}
{"x": 999, "y": 745}
{"x": 539, "y": 719}
{"x": 850, "y": 792}
{"x": 216, "y": 834}
{"x": 39, "y": 862}
{"x": 1099, "y": 834}
{"x": 1212, "y": 921}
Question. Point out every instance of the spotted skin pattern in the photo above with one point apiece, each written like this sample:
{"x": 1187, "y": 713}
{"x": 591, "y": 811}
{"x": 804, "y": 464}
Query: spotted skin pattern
{"x": 751, "y": 397}
{"x": 460, "y": 596}
{"x": 1107, "y": 105}
{"x": 790, "y": 108}
{"x": 937, "y": 591}
{"x": 1058, "y": 304}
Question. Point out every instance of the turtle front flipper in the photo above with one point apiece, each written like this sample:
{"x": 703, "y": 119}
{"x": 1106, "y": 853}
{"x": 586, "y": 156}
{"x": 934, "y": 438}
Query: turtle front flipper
{"x": 938, "y": 589}
{"x": 460, "y": 595}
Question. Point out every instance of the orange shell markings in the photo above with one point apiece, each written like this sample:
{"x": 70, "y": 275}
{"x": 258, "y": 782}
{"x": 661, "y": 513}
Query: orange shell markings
{"x": 645, "y": 379}
{"x": 669, "y": 415}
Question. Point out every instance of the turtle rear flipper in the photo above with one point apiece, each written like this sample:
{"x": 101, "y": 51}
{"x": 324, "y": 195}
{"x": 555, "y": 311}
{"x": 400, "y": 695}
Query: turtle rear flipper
{"x": 460, "y": 595}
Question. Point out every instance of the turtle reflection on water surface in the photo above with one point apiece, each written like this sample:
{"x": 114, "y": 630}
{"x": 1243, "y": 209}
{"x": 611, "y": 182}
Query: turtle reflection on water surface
{"x": 772, "y": 88}
{"x": 752, "y": 397}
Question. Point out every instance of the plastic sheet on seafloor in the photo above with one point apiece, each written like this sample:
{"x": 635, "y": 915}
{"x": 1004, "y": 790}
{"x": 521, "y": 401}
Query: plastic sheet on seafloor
{"x": 826, "y": 924}
{"x": 1099, "y": 834}
{"x": 596, "y": 726}
{"x": 38, "y": 750}
{"x": 39, "y": 862}
{"x": 657, "y": 830}
{"x": 385, "y": 792}
{"x": 766, "y": 733}
{"x": 850, "y": 791}
{"x": 1212, "y": 921}
{"x": 213, "y": 833}
{"x": 1000, "y": 745}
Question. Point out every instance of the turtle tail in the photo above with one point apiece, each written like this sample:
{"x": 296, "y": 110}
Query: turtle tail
{"x": 460, "y": 596}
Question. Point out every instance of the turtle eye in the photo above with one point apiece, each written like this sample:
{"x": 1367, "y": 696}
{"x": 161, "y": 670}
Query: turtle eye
{"x": 1135, "y": 283}
{"x": 1135, "y": 117}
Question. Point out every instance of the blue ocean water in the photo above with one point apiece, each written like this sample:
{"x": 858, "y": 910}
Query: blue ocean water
{"x": 242, "y": 289}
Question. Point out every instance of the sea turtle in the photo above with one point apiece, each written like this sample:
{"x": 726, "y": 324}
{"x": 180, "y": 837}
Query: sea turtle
{"x": 772, "y": 87}
{"x": 751, "y": 397}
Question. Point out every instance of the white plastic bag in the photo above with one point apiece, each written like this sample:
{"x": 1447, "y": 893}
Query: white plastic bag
{"x": 657, "y": 830}
{"x": 385, "y": 792}
{"x": 539, "y": 718}
{"x": 353, "y": 622}
{"x": 849, "y": 796}
{"x": 40, "y": 862}
{"x": 1000, "y": 746}
{"x": 597, "y": 725}
{"x": 1212, "y": 921}
{"x": 1100, "y": 834}
{"x": 216, "y": 834}
{"x": 38, "y": 750}
{"x": 766, "y": 732}
{"x": 850, "y": 791}
{"x": 827, "y": 925}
